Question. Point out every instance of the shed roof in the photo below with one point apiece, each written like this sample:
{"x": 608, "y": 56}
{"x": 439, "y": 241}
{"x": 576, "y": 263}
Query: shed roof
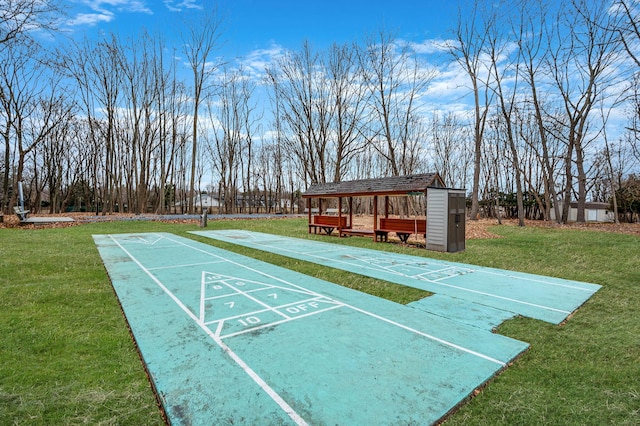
{"x": 395, "y": 185}
{"x": 592, "y": 205}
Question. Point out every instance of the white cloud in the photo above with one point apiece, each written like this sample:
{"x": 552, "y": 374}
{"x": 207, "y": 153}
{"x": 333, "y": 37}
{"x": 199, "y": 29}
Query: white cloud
{"x": 430, "y": 46}
{"x": 120, "y": 5}
{"x": 90, "y": 19}
{"x": 174, "y": 6}
{"x": 105, "y": 11}
{"x": 255, "y": 63}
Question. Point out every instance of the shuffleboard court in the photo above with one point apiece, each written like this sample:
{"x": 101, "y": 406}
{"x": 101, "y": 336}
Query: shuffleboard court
{"x": 230, "y": 340}
{"x": 545, "y": 298}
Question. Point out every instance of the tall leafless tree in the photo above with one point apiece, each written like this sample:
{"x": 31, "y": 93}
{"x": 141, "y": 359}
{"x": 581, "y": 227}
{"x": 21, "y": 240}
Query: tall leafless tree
{"x": 467, "y": 49}
{"x": 19, "y": 17}
{"x": 453, "y": 155}
{"x": 305, "y": 110}
{"x": 349, "y": 97}
{"x": 505, "y": 70}
{"x": 581, "y": 64}
{"x": 33, "y": 102}
{"x": 396, "y": 81}
{"x": 534, "y": 50}
{"x": 231, "y": 124}
{"x": 201, "y": 39}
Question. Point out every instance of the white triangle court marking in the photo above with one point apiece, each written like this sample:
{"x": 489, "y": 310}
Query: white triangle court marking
{"x": 147, "y": 239}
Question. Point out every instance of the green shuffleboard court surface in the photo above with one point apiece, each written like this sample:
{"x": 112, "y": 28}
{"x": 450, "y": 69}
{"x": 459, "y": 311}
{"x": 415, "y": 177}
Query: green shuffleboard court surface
{"x": 230, "y": 340}
{"x": 514, "y": 293}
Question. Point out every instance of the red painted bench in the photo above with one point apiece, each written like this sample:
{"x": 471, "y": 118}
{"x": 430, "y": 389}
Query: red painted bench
{"x": 327, "y": 223}
{"x": 402, "y": 227}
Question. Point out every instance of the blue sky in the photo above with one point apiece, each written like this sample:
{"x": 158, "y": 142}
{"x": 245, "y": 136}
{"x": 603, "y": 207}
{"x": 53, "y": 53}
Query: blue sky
{"x": 252, "y": 25}
{"x": 257, "y": 31}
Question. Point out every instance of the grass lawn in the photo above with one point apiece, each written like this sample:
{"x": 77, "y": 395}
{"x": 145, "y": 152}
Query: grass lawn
{"x": 66, "y": 356}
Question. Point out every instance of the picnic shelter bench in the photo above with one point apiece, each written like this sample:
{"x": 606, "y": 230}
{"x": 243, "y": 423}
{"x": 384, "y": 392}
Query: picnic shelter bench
{"x": 402, "y": 227}
{"x": 327, "y": 223}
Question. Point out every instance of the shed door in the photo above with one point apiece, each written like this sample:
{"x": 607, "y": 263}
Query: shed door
{"x": 456, "y": 223}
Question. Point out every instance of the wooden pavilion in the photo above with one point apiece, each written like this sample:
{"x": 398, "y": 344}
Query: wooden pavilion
{"x": 381, "y": 187}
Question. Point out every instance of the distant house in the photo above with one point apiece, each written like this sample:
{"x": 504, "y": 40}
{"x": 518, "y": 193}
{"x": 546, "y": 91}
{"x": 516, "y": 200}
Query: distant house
{"x": 286, "y": 206}
{"x": 206, "y": 201}
{"x": 201, "y": 201}
{"x": 593, "y": 212}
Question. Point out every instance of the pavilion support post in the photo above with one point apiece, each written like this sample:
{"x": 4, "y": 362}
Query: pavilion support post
{"x": 386, "y": 206}
{"x": 339, "y": 216}
{"x": 350, "y": 212}
{"x": 375, "y": 212}
{"x": 309, "y": 212}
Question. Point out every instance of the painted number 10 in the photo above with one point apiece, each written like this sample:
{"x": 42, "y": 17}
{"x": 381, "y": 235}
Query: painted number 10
{"x": 249, "y": 321}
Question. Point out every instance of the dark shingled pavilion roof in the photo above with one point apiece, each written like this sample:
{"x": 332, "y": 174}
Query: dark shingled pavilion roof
{"x": 396, "y": 185}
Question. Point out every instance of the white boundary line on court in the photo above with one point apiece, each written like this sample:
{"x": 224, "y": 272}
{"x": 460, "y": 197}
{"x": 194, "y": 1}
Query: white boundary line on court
{"x": 428, "y": 336}
{"x": 260, "y": 311}
{"x": 479, "y": 269}
{"x": 268, "y": 308}
{"x": 264, "y": 285}
{"x": 186, "y": 265}
{"x": 236, "y": 358}
{"x": 391, "y": 271}
{"x": 475, "y": 268}
{"x": 274, "y": 323}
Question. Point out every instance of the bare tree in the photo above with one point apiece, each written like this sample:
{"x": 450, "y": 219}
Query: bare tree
{"x": 305, "y": 109}
{"x": 231, "y": 133}
{"x": 201, "y": 39}
{"x": 453, "y": 155}
{"x": 348, "y": 93}
{"x": 505, "y": 72}
{"x": 633, "y": 128}
{"x": 534, "y": 49}
{"x": 33, "y": 104}
{"x": 396, "y": 81}
{"x": 581, "y": 68}
{"x": 18, "y": 17}
{"x": 627, "y": 26}
{"x": 467, "y": 49}
{"x": 96, "y": 70}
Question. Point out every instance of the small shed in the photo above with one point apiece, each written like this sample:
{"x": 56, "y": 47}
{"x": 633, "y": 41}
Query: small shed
{"x": 593, "y": 212}
{"x": 446, "y": 209}
{"x": 342, "y": 219}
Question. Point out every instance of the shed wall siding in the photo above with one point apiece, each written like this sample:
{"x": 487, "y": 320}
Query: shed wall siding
{"x": 437, "y": 219}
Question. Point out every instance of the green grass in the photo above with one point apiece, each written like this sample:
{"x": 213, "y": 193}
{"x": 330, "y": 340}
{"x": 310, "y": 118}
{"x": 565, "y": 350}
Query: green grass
{"x": 66, "y": 356}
